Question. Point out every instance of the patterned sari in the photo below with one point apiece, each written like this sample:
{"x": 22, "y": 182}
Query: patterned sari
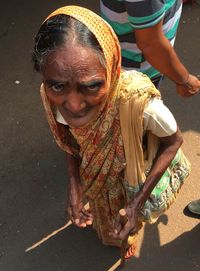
{"x": 114, "y": 161}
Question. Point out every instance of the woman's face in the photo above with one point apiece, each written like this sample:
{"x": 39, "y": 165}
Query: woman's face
{"x": 75, "y": 82}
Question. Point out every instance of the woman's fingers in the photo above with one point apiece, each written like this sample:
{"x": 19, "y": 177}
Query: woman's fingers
{"x": 126, "y": 224}
{"x": 74, "y": 213}
{"x": 83, "y": 221}
{"x": 117, "y": 228}
{"x": 86, "y": 213}
{"x": 86, "y": 216}
{"x": 80, "y": 216}
{"x": 128, "y": 229}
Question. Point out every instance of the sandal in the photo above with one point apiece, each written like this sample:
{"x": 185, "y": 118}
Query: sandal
{"x": 130, "y": 251}
{"x": 128, "y": 248}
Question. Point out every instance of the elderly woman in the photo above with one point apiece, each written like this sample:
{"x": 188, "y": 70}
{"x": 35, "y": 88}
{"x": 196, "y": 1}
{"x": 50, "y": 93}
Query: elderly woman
{"x": 121, "y": 142}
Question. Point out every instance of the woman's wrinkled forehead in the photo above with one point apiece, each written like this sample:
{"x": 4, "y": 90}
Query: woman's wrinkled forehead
{"x": 73, "y": 63}
{"x": 103, "y": 33}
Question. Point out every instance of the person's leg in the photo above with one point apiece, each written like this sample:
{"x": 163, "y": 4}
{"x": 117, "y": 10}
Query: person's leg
{"x": 131, "y": 246}
{"x": 194, "y": 207}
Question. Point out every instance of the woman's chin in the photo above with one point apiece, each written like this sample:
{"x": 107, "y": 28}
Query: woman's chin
{"x": 81, "y": 121}
{"x": 78, "y": 122}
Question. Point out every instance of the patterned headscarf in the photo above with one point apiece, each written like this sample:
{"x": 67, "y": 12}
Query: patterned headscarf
{"x": 103, "y": 33}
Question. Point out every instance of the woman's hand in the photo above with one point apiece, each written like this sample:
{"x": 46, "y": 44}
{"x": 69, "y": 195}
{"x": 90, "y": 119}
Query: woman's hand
{"x": 75, "y": 207}
{"x": 127, "y": 222}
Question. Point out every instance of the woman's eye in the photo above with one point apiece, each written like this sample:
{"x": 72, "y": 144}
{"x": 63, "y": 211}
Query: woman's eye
{"x": 57, "y": 87}
{"x": 93, "y": 88}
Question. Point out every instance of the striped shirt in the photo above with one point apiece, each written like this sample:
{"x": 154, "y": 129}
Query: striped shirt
{"x": 127, "y": 15}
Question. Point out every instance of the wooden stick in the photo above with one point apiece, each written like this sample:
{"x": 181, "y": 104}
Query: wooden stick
{"x": 115, "y": 266}
{"x": 123, "y": 220}
{"x": 49, "y": 236}
{"x": 53, "y": 233}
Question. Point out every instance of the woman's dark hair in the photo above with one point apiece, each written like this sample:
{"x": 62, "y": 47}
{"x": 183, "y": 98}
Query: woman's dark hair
{"x": 57, "y": 31}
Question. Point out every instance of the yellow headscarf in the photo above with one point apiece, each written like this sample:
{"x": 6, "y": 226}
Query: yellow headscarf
{"x": 103, "y": 33}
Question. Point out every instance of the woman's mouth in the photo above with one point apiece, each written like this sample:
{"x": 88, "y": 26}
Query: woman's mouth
{"x": 79, "y": 114}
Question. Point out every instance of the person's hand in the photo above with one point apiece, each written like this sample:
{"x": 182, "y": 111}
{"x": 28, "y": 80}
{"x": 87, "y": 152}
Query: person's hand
{"x": 189, "y": 88}
{"x": 130, "y": 226}
{"x": 75, "y": 207}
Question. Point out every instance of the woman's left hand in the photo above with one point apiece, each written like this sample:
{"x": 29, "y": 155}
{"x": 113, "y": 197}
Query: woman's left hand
{"x": 127, "y": 224}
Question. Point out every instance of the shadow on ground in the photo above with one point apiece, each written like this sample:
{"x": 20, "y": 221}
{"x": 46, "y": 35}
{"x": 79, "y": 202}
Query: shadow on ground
{"x": 75, "y": 249}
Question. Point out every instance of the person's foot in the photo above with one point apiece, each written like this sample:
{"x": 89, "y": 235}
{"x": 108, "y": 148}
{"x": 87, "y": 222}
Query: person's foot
{"x": 131, "y": 251}
{"x": 194, "y": 207}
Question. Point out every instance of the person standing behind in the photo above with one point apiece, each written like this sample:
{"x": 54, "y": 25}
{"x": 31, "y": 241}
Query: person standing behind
{"x": 146, "y": 31}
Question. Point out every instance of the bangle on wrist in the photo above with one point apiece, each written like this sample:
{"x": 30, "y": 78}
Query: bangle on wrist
{"x": 186, "y": 82}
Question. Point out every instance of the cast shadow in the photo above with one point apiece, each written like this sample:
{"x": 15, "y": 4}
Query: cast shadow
{"x": 180, "y": 254}
{"x": 75, "y": 250}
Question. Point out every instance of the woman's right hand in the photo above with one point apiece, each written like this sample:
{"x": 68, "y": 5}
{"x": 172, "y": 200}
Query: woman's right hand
{"x": 79, "y": 215}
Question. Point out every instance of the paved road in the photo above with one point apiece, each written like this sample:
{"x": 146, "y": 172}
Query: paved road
{"x": 32, "y": 168}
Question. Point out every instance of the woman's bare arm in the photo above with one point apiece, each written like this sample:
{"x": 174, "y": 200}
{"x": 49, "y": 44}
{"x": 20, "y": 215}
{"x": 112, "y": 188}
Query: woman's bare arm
{"x": 75, "y": 206}
{"x": 168, "y": 148}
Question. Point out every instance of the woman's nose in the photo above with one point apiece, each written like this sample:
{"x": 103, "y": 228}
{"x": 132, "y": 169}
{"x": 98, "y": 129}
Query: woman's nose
{"x": 75, "y": 103}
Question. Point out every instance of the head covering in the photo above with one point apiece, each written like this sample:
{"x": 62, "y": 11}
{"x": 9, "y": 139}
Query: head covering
{"x": 111, "y": 50}
{"x": 103, "y": 33}
{"x": 104, "y": 154}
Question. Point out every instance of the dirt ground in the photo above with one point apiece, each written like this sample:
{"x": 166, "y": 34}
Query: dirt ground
{"x": 33, "y": 172}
